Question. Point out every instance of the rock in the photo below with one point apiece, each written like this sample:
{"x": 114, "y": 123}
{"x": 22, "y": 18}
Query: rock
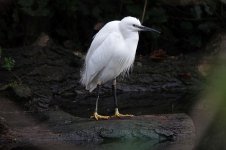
{"x": 69, "y": 44}
{"x": 156, "y": 129}
{"x": 58, "y": 127}
{"x": 39, "y": 104}
{"x": 5, "y": 137}
{"x": 3, "y": 126}
{"x": 52, "y": 71}
{"x": 181, "y": 2}
{"x": 22, "y": 90}
{"x": 48, "y": 73}
{"x": 42, "y": 40}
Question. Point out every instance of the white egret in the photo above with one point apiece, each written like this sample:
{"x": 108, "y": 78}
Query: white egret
{"x": 111, "y": 53}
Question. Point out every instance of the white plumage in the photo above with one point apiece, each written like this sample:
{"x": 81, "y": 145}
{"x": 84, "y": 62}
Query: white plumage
{"x": 111, "y": 53}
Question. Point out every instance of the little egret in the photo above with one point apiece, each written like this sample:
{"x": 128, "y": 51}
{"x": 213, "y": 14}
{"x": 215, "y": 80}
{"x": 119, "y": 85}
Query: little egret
{"x": 112, "y": 52}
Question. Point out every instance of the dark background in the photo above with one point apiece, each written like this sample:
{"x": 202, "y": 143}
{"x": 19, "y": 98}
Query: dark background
{"x": 188, "y": 28}
{"x": 186, "y": 25}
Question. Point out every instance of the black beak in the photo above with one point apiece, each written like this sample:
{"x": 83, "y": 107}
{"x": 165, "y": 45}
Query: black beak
{"x": 143, "y": 28}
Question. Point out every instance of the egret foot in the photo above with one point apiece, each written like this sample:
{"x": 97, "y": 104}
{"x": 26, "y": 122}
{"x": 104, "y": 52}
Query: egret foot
{"x": 118, "y": 115}
{"x": 99, "y": 117}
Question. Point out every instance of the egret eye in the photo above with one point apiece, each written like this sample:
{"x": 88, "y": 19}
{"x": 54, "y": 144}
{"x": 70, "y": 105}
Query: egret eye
{"x": 134, "y": 25}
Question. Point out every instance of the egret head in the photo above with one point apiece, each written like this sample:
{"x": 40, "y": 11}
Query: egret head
{"x": 134, "y": 25}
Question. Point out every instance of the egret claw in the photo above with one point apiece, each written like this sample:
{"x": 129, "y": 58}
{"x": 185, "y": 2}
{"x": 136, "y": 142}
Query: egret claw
{"x": 118, "y": 115}
{"x": 99, "y": 117}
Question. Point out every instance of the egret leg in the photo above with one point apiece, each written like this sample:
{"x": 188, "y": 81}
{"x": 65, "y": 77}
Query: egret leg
{"x": 95, "y": 114}
{"x": 114, "y": 93}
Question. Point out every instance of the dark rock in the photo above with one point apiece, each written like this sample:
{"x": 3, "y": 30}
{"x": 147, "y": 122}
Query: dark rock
{"x": 48, "y": 73}
{"x": 3, "y": 126}
{"x": 39, "y": 104}
{"x": 53, "y": 71}
{"x": 69, "y": 44}
{"x": 62, "y": 127}
{"x": 22, "y": 90}
{"x": 5, "y": 137}
{"x": 57, "y": 127}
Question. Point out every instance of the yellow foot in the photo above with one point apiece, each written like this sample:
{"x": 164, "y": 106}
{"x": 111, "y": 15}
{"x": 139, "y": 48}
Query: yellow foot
{"x": 118, "y": 115}
{"x": 97, "y": 116}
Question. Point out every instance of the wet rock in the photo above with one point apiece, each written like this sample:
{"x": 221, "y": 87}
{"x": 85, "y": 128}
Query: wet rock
{"x": 5, "y": 136}
{"x": 22, "y": 90}
{"x": 54, "y": 72}
{"x": 48, "y": 73}
{"x": 3, "y": 126}
{"x": 40, "y": 104}
{"x": 62, "y": 127}
{"x": 69, "y": 44}
{"x": 42, "y": 40}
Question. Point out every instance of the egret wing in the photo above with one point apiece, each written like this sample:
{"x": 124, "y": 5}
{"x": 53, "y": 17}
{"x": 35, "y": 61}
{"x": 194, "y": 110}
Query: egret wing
{"x": 101, "y": 36}
{"x": 98, "y": 60}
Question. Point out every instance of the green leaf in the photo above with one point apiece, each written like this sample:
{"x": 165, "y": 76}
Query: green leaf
{"x": 8, "y": 63}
